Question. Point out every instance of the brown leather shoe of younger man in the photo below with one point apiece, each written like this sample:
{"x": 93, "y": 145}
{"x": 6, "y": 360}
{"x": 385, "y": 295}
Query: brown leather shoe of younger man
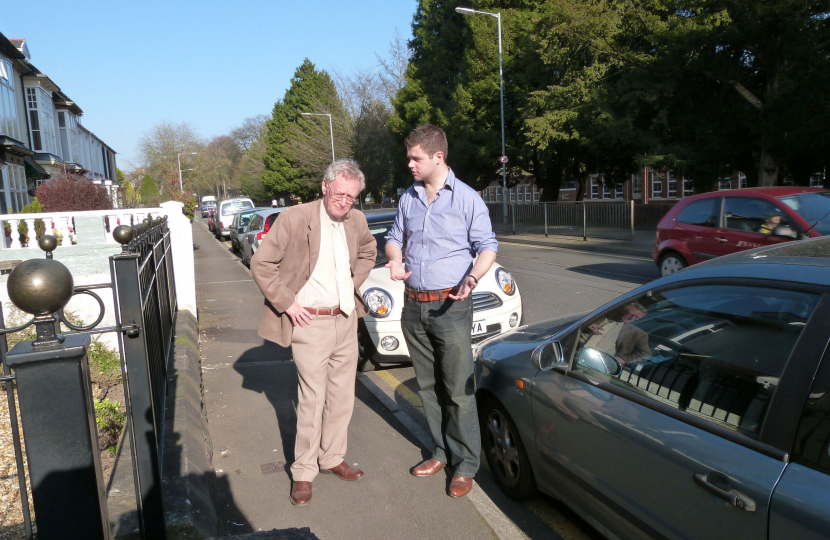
{"x": 344, "y": 471}
{"x": 300, "y": 493}
{"x": 460, "y": 486}
{"x": 427, "y": 468}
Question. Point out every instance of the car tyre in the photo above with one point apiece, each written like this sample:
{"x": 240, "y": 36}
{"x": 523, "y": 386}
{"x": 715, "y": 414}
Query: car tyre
{"x": 505, "y": 452}
{"x": 671, "y": 263}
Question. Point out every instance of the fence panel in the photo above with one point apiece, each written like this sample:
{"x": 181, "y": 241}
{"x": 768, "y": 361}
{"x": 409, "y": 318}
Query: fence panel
{"x": 607, "y": 220}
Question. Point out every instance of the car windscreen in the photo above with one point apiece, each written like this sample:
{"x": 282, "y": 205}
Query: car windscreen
{"x": 379, "y": 231}
{"x": 235, "y": 206}
{"x": 813, "y": 207}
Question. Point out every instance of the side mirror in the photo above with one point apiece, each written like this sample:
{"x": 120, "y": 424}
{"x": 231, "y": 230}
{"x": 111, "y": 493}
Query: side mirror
{"x": 240, "y": 230}
{"x": 599, "y": 361}
{"x": 547, "y": 356}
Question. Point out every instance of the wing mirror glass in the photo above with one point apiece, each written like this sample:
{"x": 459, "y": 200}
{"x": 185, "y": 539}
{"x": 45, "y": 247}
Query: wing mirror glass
{"x": 599, "y": 361}
{"x": 240, "y": 230}
{"x": 548, "y": 355}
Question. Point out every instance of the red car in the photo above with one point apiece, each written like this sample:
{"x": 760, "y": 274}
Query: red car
{"x": 709, "y": 225}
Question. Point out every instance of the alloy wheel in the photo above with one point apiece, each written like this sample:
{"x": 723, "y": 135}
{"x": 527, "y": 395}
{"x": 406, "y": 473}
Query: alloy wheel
{"x": 502, "y": 452}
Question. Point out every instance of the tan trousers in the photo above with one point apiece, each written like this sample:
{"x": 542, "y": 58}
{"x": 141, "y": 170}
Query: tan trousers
{"x": 325, "y": 353}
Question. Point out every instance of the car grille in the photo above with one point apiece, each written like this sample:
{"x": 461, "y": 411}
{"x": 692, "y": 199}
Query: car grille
{"x": 492, "y": 330}
{"x": 482, "y": 301}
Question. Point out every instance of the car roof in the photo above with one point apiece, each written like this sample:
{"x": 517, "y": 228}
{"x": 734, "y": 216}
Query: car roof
{"x": 268, "y": 211}
{"x": 234, "y": 199}
{"x": 381, "y": 217}
{"x": 764, "y": 192}
{"x": 804, "y": 261}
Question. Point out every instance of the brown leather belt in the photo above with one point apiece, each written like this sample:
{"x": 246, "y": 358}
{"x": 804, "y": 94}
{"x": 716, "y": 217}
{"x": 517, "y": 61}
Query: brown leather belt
{"x": 334, "y": 311}
{"x": 429, "y": 296}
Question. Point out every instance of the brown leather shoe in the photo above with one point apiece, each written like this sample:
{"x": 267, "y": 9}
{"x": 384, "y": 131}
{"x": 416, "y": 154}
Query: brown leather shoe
{"x": 344, "y": 472}
{"x": 300, "y": 493}
{"x": 427, "y": 468}
{"x": 460, "y": 486}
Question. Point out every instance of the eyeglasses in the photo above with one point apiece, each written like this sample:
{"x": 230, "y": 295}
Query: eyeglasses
{"x": 338, "y": 197}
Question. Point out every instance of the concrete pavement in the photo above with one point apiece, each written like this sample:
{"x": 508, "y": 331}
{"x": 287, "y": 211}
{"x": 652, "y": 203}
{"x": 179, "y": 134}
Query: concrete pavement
{"x": 250, "y": 396}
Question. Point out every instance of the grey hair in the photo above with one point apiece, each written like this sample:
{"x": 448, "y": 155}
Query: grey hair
{"x": 348, "y": 168}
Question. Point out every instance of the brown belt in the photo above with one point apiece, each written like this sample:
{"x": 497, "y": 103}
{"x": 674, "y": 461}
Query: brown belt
{"x": 334, "y": 311}
{"x": 429, "y": 296}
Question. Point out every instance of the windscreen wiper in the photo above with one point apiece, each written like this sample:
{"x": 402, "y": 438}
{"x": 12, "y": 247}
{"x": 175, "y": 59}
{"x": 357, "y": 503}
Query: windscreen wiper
{"x": 816, "y": 223}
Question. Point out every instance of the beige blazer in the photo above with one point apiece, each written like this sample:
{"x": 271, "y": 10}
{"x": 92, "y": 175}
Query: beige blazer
{"x": 287, "y": 256}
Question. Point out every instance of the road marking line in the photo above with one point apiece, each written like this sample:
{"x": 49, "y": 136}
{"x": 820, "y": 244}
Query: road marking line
{"x": 555, "y": 248}
{"x": 401, "y": 389}
{"x": 502, "y": 526}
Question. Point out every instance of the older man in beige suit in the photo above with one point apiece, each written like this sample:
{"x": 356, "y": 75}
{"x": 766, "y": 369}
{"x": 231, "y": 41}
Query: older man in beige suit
{"x": 310, "y": 267}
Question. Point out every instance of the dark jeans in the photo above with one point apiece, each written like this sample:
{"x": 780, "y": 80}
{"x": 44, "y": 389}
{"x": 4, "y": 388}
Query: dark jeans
{"x": 438, "y": 336}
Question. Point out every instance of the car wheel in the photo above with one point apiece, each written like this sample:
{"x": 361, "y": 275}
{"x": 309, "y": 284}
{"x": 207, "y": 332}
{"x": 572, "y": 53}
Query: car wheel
{"x": 234, "y": 249}
{"x": 671, "y": 263}
{"x": 505, "y": 452}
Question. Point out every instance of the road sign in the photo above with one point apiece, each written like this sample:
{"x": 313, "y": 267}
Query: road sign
{"x": 503, "y": 159}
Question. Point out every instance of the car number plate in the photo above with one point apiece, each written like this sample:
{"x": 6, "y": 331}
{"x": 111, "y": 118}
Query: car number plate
{"x": 478, "y": 328}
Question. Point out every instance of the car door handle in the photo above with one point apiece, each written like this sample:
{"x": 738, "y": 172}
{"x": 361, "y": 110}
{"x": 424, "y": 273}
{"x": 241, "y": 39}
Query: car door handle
{"x": 718, "y": 485}
{"x": 721, "y": 239}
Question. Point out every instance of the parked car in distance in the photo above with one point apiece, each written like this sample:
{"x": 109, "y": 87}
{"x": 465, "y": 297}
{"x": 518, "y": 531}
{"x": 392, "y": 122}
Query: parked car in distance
{"x": 497, "y": 306}
{"x": 238, "y": 226}
{"x": 694, "y": 407}
{"x": 211, "y": 219}
{"x": 224, "y": 214}
{"x": 709, "y": 225}
{"x": 208, "y": 202}
{"x": 258, "y": 226}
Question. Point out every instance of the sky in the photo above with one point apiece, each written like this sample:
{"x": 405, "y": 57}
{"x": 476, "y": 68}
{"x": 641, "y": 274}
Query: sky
{"x": 130, "y": 65}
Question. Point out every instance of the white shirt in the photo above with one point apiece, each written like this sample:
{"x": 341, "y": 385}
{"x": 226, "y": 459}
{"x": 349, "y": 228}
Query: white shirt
{"x": 321, "y": 289}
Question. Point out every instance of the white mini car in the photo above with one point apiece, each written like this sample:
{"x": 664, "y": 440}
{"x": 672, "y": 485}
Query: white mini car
{"x": 497, "y": 306}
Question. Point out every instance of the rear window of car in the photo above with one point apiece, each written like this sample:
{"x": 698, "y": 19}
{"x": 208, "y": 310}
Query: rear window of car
{"x": 812, "y": 441}
{"x": 232, "y": 207}
{"x": 704, "y": 213}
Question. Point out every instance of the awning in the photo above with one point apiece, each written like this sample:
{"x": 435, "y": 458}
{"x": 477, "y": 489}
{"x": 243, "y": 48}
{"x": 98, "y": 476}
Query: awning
{"x": 34, "y": 171}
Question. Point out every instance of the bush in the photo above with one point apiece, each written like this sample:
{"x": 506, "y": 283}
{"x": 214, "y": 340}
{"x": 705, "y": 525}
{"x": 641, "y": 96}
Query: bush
{"x": 40, "y": 228}
{"x": 33, "y": 207}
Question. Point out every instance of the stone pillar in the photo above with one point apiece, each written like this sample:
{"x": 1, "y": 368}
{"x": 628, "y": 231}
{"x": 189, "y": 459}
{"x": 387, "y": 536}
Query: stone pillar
{"x": 181, "y": 238}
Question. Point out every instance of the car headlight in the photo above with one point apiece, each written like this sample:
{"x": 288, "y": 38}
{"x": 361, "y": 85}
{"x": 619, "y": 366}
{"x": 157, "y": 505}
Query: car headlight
{"x": 505, "y": 281}
{"x": 379, "y": 302}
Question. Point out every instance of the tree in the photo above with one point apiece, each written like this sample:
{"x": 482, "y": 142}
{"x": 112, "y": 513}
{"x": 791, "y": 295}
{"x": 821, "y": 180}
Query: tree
{"x": 131, "y": 197}
{"x": 158, "y": 148}
{"x": 298, "y": 148}
{"x": 253, "y": 130}
{"x": 67, "y": 192}
{"x": 148, "y": 190}
{"x": 34, "y": 207}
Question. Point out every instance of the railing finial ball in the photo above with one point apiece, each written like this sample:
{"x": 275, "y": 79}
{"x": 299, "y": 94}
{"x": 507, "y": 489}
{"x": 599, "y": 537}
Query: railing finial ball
{"x": 123, "y": 234}
{"x": 48, "y": 243}
{"x": 40, "y": 286}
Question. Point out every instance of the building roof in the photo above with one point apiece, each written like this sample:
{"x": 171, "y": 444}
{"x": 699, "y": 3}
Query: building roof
{"x": 8, "y": 48}
{"x": 20, "y": 45}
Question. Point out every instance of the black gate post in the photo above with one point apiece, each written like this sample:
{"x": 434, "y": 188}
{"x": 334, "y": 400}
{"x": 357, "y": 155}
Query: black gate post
{"x": 144, "y": 433}
{"x": 56, "y": 408}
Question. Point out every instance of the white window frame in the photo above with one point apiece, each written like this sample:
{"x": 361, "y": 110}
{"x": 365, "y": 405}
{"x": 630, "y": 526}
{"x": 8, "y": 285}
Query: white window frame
{"x": 594, "y": 188}
{"x": 512, "y": 194}
{"x": 671, "y": 181}
{"x": 656, "y": 185}
{"x": 535, "y": 193}
{"x": 9, "y": 122}
{"x": 39, "y": 105}
{"x": 520, "y": 194}
{"x": 725, "y": 183}
{"x": 817, "y": 180}
{"x": 688, "y": 187}
{"x": 636, "y": 186}
{"x": 498, "y": 194}
{"x": 619, "y": 190}
{"x": 742, "y": 183}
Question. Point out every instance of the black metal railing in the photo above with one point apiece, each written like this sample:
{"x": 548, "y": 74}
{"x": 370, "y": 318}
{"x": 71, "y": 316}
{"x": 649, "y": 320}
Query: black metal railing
{"x": 588, "y": 219}
{"x": 48, "y": 386}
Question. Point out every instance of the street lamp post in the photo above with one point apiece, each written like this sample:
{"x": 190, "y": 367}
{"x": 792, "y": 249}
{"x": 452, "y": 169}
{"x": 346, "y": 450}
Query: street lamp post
{"x": 331, "y": 130}
{"x": 179, "y": 160}
{"x": 468, "y": 11}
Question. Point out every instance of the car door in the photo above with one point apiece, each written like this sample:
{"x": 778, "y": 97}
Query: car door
{"x": 656, "y": 429}
{"x": 699, "y": 227}
{"x": 799, "y": 503}
{"x": 743, "y": 221}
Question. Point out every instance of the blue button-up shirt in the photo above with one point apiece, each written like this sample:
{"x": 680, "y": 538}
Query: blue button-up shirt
{"x": 440, "y": 239}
